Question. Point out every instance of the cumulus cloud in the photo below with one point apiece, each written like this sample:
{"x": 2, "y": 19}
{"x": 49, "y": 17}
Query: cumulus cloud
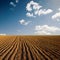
{"x": 56, "y": 16}
{"x": 23, "y": 22}
{"x": 36, "y": 9}
{"x": 3, "y": 34}
{"x": 32, "y": 5}
{"x": 45, "y": 29}
{"x": 30, "y": 14}
{"x": 13, "y": 4}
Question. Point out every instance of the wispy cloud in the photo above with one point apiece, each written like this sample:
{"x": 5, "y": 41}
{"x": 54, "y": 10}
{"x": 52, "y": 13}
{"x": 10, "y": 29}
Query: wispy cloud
{"x": 17, "y": 1}
{"x": 43, "y": 12}
{"x": 36, "y": 9}
{"x": 23, "y": 22}
{"x": 3, "y": 34}
{"x": 46, "y": 30}
{"x": 13, "y": 4}
{"x": 59, "y": 9}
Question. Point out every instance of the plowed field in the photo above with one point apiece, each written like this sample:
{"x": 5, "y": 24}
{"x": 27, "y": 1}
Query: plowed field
{"x": 29, "y": 47}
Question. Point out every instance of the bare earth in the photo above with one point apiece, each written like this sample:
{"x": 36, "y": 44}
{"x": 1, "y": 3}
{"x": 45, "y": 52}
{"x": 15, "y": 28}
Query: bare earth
{"x": 29, "y": 47}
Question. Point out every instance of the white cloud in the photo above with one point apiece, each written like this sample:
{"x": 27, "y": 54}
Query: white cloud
{"x": 36, "y": 9}
{"x": 23, "y": 22}
{"x": 17, "y": 1}
{"x": 59, "y": 9}
{"x": 12, "y": 3}
{"x": 42, "y": 33}
{"x": 45, "y": 29}
{"x": 33, "y": 5}
{"x": 43, "y": 12}
{"x": 56, "y": 16}
{"x": 30, "y": 14}
{"x": 3, "y": 34}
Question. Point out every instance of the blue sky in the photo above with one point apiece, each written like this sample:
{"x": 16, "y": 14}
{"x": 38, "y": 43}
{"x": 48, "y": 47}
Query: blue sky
{"x": 30, "y": 17}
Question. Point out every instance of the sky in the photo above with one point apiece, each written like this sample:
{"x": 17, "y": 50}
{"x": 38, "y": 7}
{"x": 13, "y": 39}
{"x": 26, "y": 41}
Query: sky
{"x": 29, "y": 17}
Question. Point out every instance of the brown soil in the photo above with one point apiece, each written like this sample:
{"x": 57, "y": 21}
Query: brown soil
{"x": 29, "y": 47}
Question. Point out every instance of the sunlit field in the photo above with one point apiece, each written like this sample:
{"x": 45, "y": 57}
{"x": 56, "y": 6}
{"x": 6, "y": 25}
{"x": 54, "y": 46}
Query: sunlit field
{"x": 29, "y": 47}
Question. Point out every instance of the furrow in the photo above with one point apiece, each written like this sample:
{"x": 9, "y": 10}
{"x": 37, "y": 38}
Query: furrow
{"x": 8, "y": 51}
{"x": 30, "y": 56}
